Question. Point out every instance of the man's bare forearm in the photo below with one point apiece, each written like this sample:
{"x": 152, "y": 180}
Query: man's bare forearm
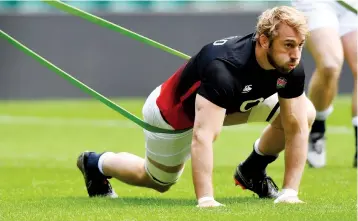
{"x": 295, "y": 159}
{"x": 202, "y": 167}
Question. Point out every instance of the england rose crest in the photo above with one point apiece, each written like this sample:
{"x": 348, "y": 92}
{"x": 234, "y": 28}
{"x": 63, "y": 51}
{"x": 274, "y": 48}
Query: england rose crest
{"x": 281, "y": 82}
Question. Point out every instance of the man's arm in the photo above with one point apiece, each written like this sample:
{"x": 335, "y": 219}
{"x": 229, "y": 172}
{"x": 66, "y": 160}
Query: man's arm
{"x": 295, "y": 123}
{"x": 208, "y": 122}
{"x": 214, "y": 96}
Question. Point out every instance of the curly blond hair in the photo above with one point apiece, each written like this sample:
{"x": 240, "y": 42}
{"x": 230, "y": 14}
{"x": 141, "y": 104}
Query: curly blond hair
{"x": 269, "y": 21}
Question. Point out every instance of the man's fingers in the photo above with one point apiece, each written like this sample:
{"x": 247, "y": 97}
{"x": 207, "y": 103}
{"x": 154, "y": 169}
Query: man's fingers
{"x": 289, "y": 199}
{"x": 211, "y": 203}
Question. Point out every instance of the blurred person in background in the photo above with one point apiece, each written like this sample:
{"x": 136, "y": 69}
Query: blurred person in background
{"x": 332, "y": 38}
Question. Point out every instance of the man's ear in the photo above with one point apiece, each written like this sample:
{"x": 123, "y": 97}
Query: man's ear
{"x": 264, "y": 41}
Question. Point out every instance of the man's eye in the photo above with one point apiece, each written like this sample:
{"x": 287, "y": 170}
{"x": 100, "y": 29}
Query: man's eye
{"x": 289, "y": 45}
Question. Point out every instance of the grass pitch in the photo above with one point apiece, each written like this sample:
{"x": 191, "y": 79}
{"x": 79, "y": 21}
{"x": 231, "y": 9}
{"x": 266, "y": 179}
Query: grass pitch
{"x": 40, "y": 141}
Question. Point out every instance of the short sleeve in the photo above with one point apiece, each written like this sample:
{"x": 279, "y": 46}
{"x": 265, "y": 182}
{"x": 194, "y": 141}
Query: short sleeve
{"x": 293, "y": 85}
{"x": 218, "y": 85}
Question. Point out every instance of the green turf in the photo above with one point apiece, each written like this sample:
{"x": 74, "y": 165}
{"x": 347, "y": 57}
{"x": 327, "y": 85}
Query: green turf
{"x": 39, "y": 181}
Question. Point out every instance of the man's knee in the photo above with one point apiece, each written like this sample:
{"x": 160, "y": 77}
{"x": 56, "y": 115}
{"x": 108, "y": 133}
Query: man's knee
{"x": 163, "y": 189}
{"x": 162, "y": 177}
{"x": 327, "y": 52}
{"x": 330, "y": 69}
{"x": 311, "y": 113}
{"x": 158, "y": 186}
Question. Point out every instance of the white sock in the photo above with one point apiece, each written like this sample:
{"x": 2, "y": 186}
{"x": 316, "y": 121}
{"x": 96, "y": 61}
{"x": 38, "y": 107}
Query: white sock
{"x": 101, "y": 160}
{"x": 256, "y": 147}
{"x": 355, "y": 121}
{"x": 322, "y": 115}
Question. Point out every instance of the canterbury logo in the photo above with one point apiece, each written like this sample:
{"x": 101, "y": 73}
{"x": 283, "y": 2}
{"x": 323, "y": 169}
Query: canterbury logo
{"x": 247, "y": 89}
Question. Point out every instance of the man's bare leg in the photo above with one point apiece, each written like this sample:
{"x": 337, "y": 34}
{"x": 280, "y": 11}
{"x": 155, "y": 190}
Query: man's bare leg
{"x": 273, "y": 141}
{"x": 129, "y": 168}
{"x": 125, "y": 167}
{"x": 326, "y": 48}
{"x": 349, "y": 42}
{"x": 266, "y": 150}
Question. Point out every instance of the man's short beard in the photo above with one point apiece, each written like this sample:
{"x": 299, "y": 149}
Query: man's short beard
{"x": 271, "y": 60}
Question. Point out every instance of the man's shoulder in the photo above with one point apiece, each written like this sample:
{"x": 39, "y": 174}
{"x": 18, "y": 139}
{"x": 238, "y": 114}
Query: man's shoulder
{"x": 241, "y": 50}
{"x": 233, "y": 47}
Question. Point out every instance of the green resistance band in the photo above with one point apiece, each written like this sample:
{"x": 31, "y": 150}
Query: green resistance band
{"x": 347, "y": 6}
{"x": 106, "y": 24}
{"x": 85, "y": 88}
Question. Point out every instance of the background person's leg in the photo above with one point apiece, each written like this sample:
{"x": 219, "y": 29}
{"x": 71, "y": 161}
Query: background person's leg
{"x": 324, "y": 44}
{"x": 350, "y": 52}
{"x": 326, "y": 49}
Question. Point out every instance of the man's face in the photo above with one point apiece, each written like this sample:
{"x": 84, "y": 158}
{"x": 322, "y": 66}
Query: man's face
{"x": 284, "y": 52}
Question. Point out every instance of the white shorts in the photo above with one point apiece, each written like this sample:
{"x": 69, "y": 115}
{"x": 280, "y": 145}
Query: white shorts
{"x": 165, "y": 149}
{"x": 328, "y": 13}
{"x": 174, "y": 149}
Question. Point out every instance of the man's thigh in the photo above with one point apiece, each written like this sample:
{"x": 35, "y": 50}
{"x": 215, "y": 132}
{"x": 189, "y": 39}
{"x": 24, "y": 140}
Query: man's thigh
{"x": 320, "y": 14}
